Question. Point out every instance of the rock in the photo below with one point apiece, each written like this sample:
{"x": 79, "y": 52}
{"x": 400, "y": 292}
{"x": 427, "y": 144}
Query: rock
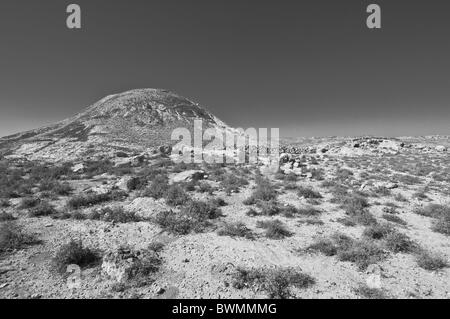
{"x": 389, "y": 144}
{"x": 441, "y": 148}
{"x": 120, "y": 265}
{"x": 160, "y": 291}
{"x": 187, "y": 176}
{"x": 388, "y": 185}
{"x": 78, "y": 168}
{"x": 101, "y": 189}
{"x": 3, "y": 285}
{"x": 122, "y": 183}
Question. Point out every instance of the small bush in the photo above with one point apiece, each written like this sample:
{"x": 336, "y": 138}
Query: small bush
{"x": 158, "y": 187}
{"x": 361, "y": 253}
{"x": 29, "y": 202}
{"x": 42, "y": 209}
{"x": 264, "y": 191}
{"x": 205, "y": 187}
{"x": 430, "y": 261}
{"x": 115, "y": 214}
{"x": 378, "y": 231}
{"x": 218, "y": 202}
{"x": 276, "y": 283}
{"x": 370, "y": 293}
{"x": 275, "y": 229}
{"x": 194, "y": 217}
{"x": 442, "y": 225}
{"x": 343, "y": 174}
{"x": 433, "y": 210}
{"x": 73, "y": 253}
{"x": 307, "y": 192}
{"x": 324, "y": 246}
{"x": 236, "y": 230}
{"x": 80, "y": 201}
{"x": 63, "y": 189}
{"x": 269, "y": 208}
{"x": 318, "y": 174}
{"x": 12, "y": 237}
{"x": 176, "y": 195}
{"x": 136, "y": 183}
{"x": 308, "y": 211}
{"x": 232, "y": 183}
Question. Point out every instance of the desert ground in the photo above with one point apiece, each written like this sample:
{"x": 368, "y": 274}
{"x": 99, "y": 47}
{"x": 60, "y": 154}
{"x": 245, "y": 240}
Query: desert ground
{"x": 343, "y": 218}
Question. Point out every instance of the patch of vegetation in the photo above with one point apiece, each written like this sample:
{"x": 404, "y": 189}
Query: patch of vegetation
{"x": 264, "y": 191}
{"x": 29, "y": 202}
{"x": 144, "y": 267}
{"x": 307, "y": 192}
{"x": 393, "y": 240}
{"x": 116, "y": 214}
{"x": 400, "y": 198}
{"x": 360, "y": 252}
{"x": 371, "y": 293}
{"x": 325, "y": 246}
{"x": 237, "y": 229}
{"x": 442, "y": 225}
{"x": 176, "y": 195}
{"x": 318, "y": 174}
{"x": 42, "y": 209}
{"x": 194, "y": 217}
{"x": 232, "y": 183}
{"x": 136, "y": 183}
{"x": 274, "y": 229}
{"x": 80, "y": 201}
{"x": 205, "y": 187}
{"x": 218, "y": 202}
{"x": 394, "y": 219}
{"x": 13, "y": 237}
{"x": 433, "y": 210}
{"x": 74, "y": 253}
{"x": 276, "y": 283}
{"x": 55, "y": 187}
{"x": 430, "y": 261}
{"x": 343, "y": 174}
{"x": 440, "y": 213}
{"x": 407, "y": 179}
{"x": 4, "y": 217}
{"x": 382, "y": 191}
{"x": 355, "y": 207}
{"x": 158, "y": 187}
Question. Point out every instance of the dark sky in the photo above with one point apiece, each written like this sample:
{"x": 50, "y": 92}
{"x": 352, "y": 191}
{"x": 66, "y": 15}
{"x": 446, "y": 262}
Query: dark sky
{"x": 311, "y": 68}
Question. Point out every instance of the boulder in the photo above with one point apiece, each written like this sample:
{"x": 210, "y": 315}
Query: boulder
{"x": 392, "y": 145}
{"x": 78, "y": 168}
{"x": 123, "y": 264}
{"x": 441, "y": 148}
{"x": 122, "y": 183}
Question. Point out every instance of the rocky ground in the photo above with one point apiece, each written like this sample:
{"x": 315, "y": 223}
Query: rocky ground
{"x": 343, "y": 218}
